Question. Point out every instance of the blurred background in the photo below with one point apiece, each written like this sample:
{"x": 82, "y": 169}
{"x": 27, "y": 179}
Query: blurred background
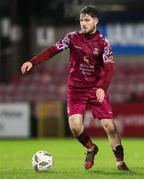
{"x": 34, "y": 105}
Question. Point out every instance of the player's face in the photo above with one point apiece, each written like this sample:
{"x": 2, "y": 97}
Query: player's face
{"x": 88, "y": 23}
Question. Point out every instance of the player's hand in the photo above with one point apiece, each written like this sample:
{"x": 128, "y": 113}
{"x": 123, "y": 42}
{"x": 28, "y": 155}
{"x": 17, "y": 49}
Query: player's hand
{"x": 100, "y": 94}
{"x": 26, "y": 67}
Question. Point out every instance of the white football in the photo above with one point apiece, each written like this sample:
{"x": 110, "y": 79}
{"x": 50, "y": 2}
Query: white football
{"x": 42, "y": 161}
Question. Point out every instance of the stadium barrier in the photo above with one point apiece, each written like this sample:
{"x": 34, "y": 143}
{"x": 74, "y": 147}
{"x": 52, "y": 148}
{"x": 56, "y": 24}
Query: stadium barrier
{"x": 50, "y": 119}
{"x": 15, "y": 120}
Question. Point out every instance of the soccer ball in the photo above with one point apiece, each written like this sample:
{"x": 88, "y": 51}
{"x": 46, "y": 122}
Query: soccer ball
{"x": 42, "y": 161}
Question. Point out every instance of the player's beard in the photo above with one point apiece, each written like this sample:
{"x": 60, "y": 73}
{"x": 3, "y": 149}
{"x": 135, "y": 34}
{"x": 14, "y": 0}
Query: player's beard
{"x": 91, "y": 31}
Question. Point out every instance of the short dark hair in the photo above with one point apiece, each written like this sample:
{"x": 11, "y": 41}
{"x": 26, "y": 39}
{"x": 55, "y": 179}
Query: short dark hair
{"x": 90, "y": 10}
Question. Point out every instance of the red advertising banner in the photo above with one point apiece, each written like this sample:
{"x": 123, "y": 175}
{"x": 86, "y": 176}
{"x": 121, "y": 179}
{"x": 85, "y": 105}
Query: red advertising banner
{"x": 129, "y": 120}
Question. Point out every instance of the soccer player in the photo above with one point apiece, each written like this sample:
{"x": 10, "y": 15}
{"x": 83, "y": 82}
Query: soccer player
{"x": 90, "y": 74}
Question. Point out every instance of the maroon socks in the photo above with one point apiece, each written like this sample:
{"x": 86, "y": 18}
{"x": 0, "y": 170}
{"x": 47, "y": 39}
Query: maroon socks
{"x": 85, "y": 140}
{"x": 118, "y": 152}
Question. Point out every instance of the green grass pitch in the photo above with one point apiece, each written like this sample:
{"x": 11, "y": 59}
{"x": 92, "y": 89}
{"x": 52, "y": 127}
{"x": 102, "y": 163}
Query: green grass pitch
{"x": 69, "y": 155}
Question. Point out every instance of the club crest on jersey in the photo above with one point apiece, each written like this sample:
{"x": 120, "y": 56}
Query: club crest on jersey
{"x": 96, "y": 51}
{"x": 86, "y": 59}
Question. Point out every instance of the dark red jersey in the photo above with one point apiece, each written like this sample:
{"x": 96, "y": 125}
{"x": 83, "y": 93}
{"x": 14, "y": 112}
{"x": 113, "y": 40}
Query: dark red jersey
{"x": 91, "y": 60}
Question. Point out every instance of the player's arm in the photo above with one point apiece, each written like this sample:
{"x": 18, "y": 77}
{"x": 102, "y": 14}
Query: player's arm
{"x": 108, "y": 62}
{"x": 41, "y": 57}
{"x": 108, "y": 71}
{"x": 46, "y": 54}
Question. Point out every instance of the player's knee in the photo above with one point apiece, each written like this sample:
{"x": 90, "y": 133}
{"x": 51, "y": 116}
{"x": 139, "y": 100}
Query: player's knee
{"x": 75, "y": 125}
{"x": 110, "y": 128}
{"x": 76, "y": 131}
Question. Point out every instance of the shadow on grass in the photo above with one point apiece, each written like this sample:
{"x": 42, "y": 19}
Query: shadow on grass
{"x": 109, "y": 173}
{"x": 138, "y": 172}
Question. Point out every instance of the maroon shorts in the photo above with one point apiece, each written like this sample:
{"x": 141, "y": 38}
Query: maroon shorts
{"x": 80, "y": 99}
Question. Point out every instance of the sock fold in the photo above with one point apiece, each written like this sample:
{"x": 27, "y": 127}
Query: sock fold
{"x": 85, "y": 140}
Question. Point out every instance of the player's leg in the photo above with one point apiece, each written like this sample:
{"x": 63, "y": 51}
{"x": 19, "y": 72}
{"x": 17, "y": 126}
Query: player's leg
{"x": 103, "y": 111}
{"x": 115, "y": 142}
{"x": 78, "y": 131}
{"x": 77, "y": 99}
{"x": 111, "y": 131}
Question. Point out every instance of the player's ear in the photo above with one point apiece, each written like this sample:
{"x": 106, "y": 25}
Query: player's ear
{"x": 96, "y": 20}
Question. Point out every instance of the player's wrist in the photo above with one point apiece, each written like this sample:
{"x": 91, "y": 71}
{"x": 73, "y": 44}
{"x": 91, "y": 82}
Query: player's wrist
{"x": 31, "y": 62}
{"x": 100, "y": 88}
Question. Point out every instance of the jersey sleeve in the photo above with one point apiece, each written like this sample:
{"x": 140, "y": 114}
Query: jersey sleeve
{"x": 51, "y": 51}
{"x": 107, "y": 54}
{"x": 108, "y": 64}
